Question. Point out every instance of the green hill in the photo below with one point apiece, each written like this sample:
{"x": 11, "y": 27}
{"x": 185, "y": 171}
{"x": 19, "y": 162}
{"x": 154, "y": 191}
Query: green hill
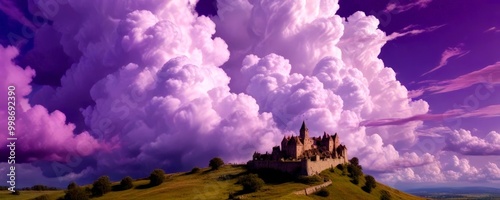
{"x": 218, "y": 184}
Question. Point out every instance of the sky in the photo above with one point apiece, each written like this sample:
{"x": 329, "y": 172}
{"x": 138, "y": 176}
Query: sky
{"x": 122, "y": 87}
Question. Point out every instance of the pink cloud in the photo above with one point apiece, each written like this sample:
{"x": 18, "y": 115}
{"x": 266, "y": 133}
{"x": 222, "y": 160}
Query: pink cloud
{"x": 446, "y": 55}
{"x": 488, "y": 75}
{"x": 488, "y": 111}
{"x": 492, "y": 29}
{"x": 462, "y": 141}
{"x": 421, "y": 117}
{"x": 409, "y": 31}
{"x": 415, "y": 93}
{"x": 395, "y": 7}
{"x": 40, "y": 135}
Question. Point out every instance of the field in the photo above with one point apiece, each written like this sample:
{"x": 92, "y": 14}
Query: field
{"x": 218, "y": 184}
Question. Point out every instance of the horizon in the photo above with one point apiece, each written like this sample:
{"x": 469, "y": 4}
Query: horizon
{"x": 120, "y": 88}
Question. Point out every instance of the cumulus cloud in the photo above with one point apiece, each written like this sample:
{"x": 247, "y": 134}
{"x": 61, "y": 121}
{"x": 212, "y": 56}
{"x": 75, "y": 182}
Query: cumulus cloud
{"x": 462, "y": 141}
{"x": 447, "y": 55}
{"x": 448, "y": 168}
{"x": 333, "y": 84}
{"x": 46, "y": 136}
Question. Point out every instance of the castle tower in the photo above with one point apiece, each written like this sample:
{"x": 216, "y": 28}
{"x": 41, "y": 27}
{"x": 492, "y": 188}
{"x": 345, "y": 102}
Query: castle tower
{"x": 304, "y": 136}
{"x": 304, "y": 131}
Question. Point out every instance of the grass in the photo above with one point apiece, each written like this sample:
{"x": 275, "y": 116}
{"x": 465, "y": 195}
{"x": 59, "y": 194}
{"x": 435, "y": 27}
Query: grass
{"x": 29, "y": 194}
{"x": 218, "y": 184}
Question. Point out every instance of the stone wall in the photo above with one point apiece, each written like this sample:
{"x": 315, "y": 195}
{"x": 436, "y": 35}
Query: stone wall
{"x": 316, "y": 167}
{"x": 312, "y": 189}
{"x": 304, "y": 167}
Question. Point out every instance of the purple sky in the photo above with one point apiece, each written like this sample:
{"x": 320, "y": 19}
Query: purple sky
{"x": 122, "y": 87}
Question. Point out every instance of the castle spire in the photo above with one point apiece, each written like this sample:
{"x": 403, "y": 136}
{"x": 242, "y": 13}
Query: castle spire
{"x": 304, "y": 131}
{"x": 303, "y": 127}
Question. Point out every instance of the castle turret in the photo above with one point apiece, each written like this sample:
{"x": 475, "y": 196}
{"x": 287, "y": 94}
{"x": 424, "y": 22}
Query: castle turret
{"x": 304, "y": 131}
{"x": 304, "y": 136}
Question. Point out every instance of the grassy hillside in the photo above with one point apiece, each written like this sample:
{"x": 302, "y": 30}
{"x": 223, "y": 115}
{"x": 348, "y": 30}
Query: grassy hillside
{"x": 220, "y": 183}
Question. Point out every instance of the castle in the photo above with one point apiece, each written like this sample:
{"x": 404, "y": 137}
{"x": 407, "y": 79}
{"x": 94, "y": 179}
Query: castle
{"x": 302, "y": 155}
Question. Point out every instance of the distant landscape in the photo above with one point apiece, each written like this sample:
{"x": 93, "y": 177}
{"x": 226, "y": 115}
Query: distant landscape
{"x": 457, "y": 192}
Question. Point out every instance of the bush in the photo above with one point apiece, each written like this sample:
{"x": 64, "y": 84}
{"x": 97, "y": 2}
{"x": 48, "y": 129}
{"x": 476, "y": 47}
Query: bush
{"x": 323, "y": 192}
{"x": 216, "y": 163}
{"x": 354, "y": 161}
{"x": 42, "y": 197}
{"x": 355, "y": 172}
{"x": 101, "y": 186}
{"x": 370, "y": 183}
{"x": 126, "y": 183}
{"x": 77, "y": 193}
{"x": 72, "y": 185}
{"x": 309, "y": 179}
{"x": 384, "y": 195}
{"x": 39, "y": 187}
{"x": 157, "y": 177}
{"x": 251, "y": 182}
{"x": 195, "y": 170}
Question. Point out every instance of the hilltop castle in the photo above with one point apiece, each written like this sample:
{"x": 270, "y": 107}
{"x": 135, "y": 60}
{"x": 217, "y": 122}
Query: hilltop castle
{"x": 302, "y": 155}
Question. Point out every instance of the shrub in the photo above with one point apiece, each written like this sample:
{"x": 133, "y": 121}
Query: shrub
{"x": 195, "y": 170}
{"x": 340, "y": 167}
{"x": 354, "y": 161}
{"x": 309, "y": 179}
{"x": 355, "y": 172}
{"x": 39, "y": 187}
{"x": 251, "y": 182}
{"x": 323, "y": 192}
{"x": 157, "y": 177}
{"x": 42, "y": 197}
{"x": 77, "y": 193}
{"x": 384, "y": 195}
{"x": 370, "y": 183}
{"x": 126, "y": 183}
{"x": 101, "y": 186}
{"x": 72, "y": 185}
{"x": 216, "y": 163}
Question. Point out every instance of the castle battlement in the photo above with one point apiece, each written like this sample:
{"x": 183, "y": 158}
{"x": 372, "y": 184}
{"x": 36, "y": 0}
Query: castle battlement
{"x": 302, "y": 154}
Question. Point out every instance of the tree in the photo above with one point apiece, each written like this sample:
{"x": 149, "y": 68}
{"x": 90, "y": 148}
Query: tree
{"x": 77, "y": 193}
{"x": 157, "y": 177}
{"x": 72, "y": 185}
{"x": 39, "y": 187}
{"x": 195, "y": 170}
{"x": 370, "y": 183}
{"x": 126, "y": 183}
{"x": 101, "y": 186}
{"x": 251, "y": 182}
{"x": 355, "y": 161}
{"x": 384, "y": 195}
{"x": 355, "y": 172}
{"x": 216, "y": 163}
